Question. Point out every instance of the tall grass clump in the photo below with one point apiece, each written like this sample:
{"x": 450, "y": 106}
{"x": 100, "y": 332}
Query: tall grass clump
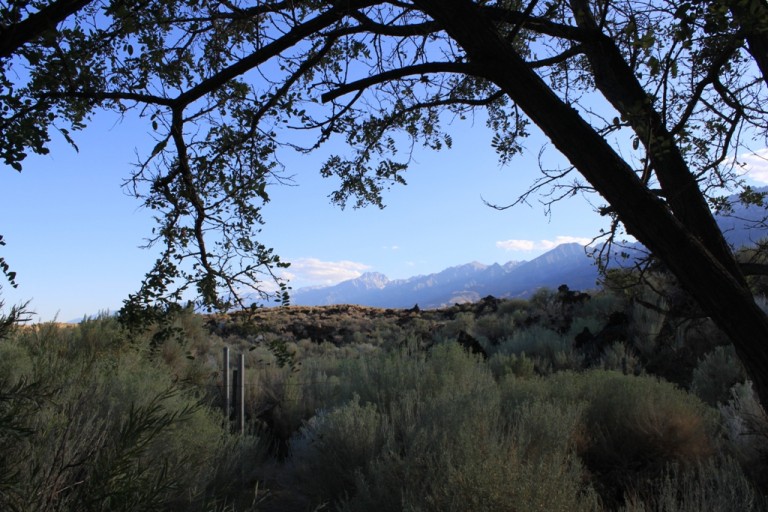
{"x": 715, "y": 485}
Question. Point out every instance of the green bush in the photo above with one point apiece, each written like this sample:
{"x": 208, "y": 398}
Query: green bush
{"x": 334, "y": 445}
{"x": 462, "y": 455}
{"x": 502, "y": 365}
{"x": 535, "y": 341}
{"x": 91, "y": 422}
{"x": 108, "y": 429}
{"x": 14, "y": 361}
{"x": 716, "y": 374}
{"x": 619, "y": 357}
{"x": 549, "y": 350}
{"x": 647, "y": 322}
{"x": 631, "y": 427}
{"x": 494, "y": 327}
{"x": 426, "y": 433}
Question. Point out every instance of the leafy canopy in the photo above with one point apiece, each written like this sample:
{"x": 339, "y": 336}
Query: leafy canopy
{"x": 226, "y": 86}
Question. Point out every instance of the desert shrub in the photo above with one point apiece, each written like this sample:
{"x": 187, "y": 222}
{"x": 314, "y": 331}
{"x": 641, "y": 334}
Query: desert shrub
{"x": 334, "y": 445}
{"x": 601, "y": 304}
{"x": 426, "y": 433}
{"x": 746, "y": 429}
{"x": 194, "y": 331}
{"x": 142, "y": 439}
{"x": 14, "y": 361}
{"x": 494, "y": 327}
{"x": 172, "y": 353}
{"x": 513, "y": 306}
{"x": 19, "y": 401}
{"x": 319, "y": 381}
{"x": 632, "y": 426}
{"x": 636, "y": 422}
{"x": 94, "y": 336}
{"x": 535, "y": 341}
{"x": 591, "y": 322}
{"x": 716, "y": 374}
{"x": 463, "y": 456}
{"x": 518, "y": 365}
{"x": 543, "y": 298}
{"x": 113, "y": 432}
{"x": 11, "y": 318}
{"x": 461, "y": 322}
{"x": 549, "y": 350}
{"x": 619, "y": 357}
{"x": 381, "y": 379}
{"x": 714, "y": 485}
{"x": 238, "y": 468}
{"x": 647, "y": 321}
{"x": 279, "y": 399}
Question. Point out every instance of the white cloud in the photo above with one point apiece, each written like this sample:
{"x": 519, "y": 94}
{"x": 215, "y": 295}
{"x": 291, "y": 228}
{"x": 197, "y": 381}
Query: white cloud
{"x": 516, "y": 245}
{"x": 533, "y": 245}
{"x": 312, "y": 271}
{"x": 754, "y": 165}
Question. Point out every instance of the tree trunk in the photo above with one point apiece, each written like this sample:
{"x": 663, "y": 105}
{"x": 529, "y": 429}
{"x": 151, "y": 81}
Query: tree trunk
{"x": 752, "y": 17}
{"x": 722, "y": 295}
{"x": 619, "y": 85}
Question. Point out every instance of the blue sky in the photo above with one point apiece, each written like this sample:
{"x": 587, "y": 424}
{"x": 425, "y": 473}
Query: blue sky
{"x": 73, "y": 235}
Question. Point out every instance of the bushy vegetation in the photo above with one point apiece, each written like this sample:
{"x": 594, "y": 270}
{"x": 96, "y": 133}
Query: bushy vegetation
{"x": 90, "y": 422}
{"x": 500, "y": 405}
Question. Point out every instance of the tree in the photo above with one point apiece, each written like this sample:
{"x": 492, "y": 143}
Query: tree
{"x": 646, "y": 100}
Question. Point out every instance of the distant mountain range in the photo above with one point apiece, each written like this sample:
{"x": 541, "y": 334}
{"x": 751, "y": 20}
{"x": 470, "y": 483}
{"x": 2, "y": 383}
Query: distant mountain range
{"x": 566, "y": 264}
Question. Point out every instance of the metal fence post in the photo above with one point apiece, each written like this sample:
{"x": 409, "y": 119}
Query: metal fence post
{"x": 240, "y": 405}
{"x": 227, "y": 384}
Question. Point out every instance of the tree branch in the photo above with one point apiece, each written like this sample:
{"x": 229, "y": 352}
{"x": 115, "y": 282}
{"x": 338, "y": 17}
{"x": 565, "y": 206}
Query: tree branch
{"x": 419, "y": 29}
{"x": 754, "y": 269}
{"x": 17, "y": 35}
{"x": 616, "y": 81}
{"x": 714, "y": 70}
{"x": 105, "y": 95}
{"x": 556, "y": 59}
{"x": 539, "y": 25}
{"x": 293, "y": 37}
{"x": 395, "y": 74}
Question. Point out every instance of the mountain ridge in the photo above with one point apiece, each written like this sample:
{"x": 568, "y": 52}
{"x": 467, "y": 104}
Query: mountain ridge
{"x": 461, "y": 283}
{"x": 565, "y": 264}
